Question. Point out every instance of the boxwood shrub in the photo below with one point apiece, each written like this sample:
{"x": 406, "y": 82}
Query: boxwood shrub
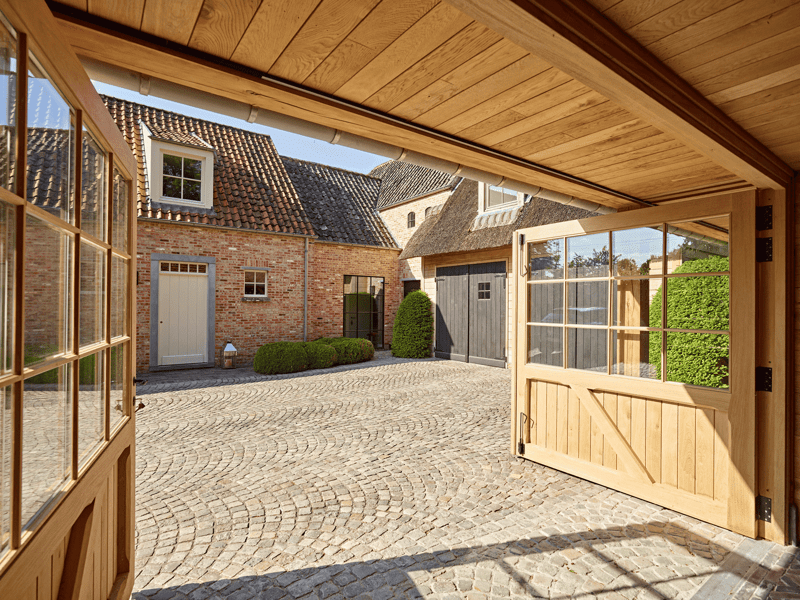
{"x": 321, "y": 356}
{"x": 413, "y": 327}
{"x": 352, "y": 350}
{"x": 281, "y": 357}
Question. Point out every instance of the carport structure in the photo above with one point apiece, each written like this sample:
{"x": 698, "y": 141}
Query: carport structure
{"x": 672, "y": 115}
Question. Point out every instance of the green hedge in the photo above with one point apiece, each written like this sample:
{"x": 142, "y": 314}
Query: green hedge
{"x": 352, "y": 350}
{"x": 321, "y": 356}
{"x": 694, "y": 303}
{"x": 281, "y": 357}
{"x": 413, "y": 327}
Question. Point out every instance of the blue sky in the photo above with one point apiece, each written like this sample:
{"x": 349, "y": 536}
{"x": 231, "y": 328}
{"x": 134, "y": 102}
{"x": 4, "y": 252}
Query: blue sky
{"x": 288, "y": 144}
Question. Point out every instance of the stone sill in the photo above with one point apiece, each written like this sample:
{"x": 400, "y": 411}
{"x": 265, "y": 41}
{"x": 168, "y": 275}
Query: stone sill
{"x": 247, "y": 299}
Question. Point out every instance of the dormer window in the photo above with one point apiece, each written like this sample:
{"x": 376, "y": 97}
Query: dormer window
{"x": 182, "y": 177}
{"x": 493, "y": 197}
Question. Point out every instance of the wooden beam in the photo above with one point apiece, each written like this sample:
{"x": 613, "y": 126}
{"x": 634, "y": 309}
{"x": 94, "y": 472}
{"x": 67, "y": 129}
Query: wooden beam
{"x": 576, "y": 38}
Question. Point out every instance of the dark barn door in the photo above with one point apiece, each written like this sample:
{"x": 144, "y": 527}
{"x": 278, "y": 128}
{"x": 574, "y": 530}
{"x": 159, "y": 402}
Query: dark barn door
{"x": 452, "y": 330}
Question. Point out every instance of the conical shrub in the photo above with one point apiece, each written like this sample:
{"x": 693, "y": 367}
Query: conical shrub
{"x": 413, "y": 327}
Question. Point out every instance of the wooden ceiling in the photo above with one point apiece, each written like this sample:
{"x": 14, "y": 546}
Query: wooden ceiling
{"x": 427, "y": 63}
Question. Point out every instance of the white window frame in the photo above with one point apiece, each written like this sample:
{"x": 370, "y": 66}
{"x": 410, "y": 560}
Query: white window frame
{"x": 255, "y": 282}
{"x": 483, "y": 195}
{"x": 154, "y": 151}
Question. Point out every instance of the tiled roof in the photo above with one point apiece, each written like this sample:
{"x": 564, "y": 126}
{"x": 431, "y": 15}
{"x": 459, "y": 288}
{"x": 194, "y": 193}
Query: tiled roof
{"x": 340, "y": 204}
{"x": 251, "y": 188}
{"x": 403, "y": 181}
{"x": 48, "y": 168}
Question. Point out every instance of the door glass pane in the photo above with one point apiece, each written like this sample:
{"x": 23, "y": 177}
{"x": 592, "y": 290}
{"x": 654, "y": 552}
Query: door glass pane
{"x": 587, "y": 303}
{"x": 546, "y": 260}
{"x": 91, "y": 406}
{"x": 50, "y": 146}
{"x": 350, "y": 284}
{"x": 545, "y": 346}
{"x": 8, "y": 116}
{"x": 587, "y": 349}
{"x": 93, "y": 188}
{"x": 46, "y": 438}
{"x": 698, "y": 302}
{"x": 119, "y": 212}
{"x": 48, "y": 291}
{"x": 363, "y": 285}
{"x": 6, "y": 403}
{"x": 7, "y": 247}
{"x": 93, "y": 294}
{"x": 698, "y": 359}
{"x": 119, "y": 295}
{"x": 631, "y": 301}
{"x": 635, "y": 249}
{"x": 636, "y": 354}
{"x": 546, "y": 303}
{"x": 117, "y": 407}
{"x": 588, "y": 256}
{"x": 698, "y": 246}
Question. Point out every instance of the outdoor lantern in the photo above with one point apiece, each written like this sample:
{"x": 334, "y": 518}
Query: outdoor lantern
{"x": 229, "y": 356}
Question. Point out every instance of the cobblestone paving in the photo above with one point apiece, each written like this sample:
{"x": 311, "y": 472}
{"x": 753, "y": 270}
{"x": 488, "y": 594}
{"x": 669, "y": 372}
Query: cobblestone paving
{"x": 390, "y": 480}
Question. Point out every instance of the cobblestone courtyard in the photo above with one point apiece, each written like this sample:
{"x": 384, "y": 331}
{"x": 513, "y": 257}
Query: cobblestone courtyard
{"x": 394, "y": 480}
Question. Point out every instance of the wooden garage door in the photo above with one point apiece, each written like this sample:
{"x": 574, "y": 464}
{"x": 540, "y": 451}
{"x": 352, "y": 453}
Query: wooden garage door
{"x": 182, "y": 313}
{"x": 635, "y": 354}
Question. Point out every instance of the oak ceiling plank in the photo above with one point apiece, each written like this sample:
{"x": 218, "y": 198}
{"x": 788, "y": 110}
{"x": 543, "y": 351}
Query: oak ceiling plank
{"x": 675, "y": 18}
{"x": 599, "y": 137}
{"x": 781, "y": 133}
{"x": 749, "y": 74}
{"x": 125, "y": 12}
{"x": 641, "y": 149}
{"x": 603, "y": 5}
{"x": 171, "y": 20}
{"x": 746, "y": 110}
{"x": 611, "y": 147}
{"x": 469, "y": 42}
{"x": 272, "y": 28}
{"x": 501, "y": 91}
{"x": 370, "y": 37}
{"x": 422, "y": 38}
{"x": 630, "y": 13}
{"x": 325, "y": 29}
{"x": 477, "y": 69}
{"x": 691, "y": 179}
{"x": 643, "y": 162}
{"x": 82, "y": 5}
{"x": 782, "y": 109}
{"x": 771, "y": 79}
{"x": 221, "y": 25}
{"x": 678, "y": 170}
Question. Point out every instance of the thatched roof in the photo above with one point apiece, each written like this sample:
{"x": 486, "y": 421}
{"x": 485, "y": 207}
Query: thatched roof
{"x": 448, "y": 230}
{"x": 403, "y": 181}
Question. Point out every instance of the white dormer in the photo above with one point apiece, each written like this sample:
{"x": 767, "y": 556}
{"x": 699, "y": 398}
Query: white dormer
{"x": 492, "y": 198}
{"x": 179, "y": 173}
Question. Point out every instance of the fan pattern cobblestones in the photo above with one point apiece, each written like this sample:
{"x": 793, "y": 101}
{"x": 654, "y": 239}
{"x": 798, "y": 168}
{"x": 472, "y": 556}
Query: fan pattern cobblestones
{"x": 388, "y": 480}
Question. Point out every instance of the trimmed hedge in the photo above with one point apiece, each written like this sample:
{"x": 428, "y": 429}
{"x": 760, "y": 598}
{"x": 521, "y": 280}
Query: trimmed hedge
{"x": 321, "y": 356}
{"x": 413, "y": 327}
{"x": 352, "y": 350}
{"x": 695, "y": 303}
{"x": 281, "y": 357}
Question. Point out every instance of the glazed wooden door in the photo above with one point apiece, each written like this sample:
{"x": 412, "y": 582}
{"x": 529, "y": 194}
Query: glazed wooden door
{"x": 67, "y": 242}
{"x": 635, "y": 361}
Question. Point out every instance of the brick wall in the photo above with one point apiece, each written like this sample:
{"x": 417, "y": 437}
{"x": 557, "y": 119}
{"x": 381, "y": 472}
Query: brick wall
{"x": 249, "y": 324}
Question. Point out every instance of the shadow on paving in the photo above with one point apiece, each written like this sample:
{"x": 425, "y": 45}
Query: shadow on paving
{"x": 511, "y": 569}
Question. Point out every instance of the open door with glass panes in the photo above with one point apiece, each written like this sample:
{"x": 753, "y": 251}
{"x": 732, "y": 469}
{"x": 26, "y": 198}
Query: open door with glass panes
{"x": 67, "y": 238}
{"x": 635, "y": 354}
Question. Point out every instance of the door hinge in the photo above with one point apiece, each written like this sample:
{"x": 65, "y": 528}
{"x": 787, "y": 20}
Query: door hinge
{"x": 763, "y": 379}
{"x": 764, "y": 509}
{"x": 764, "y": 218}
{"x": 764, "y": 249}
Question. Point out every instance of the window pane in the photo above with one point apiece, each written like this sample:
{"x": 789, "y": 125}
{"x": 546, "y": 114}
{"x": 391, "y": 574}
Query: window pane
{"x": 191, "y": 190}
{"x": 498, "y": 196}
{"x": 545, "y": 346}
{"x": 93, "y": 188}
{"x": 8, "y": 118}
{"x": 192, "y": 168}
{"x": 698, "y": 303}
{"x": 698, "y": 359}
{"x": 46, "y": 438}
{"x": 119, "y": 216}
{"x": 91, "y": 406}
{"x": 635, "y": 249}
{"x": 118, "y": 357}
{"x": 6, "y": 403}
{"x": 695, "y": 248}
{"x": 249, "y": 276}
{"x": 588, "y": 256}
{"x": 50, "y": 135}
{"x": 172, "y": 187}
{"x": 119, "y": 296}
{"x": 350, "y": 284}
{"x": 48, "y": 291}
{"x": 546, "y": 303}
{"x": 173, "y": 165}
{"x": 93, "y": 295}
{"x": 261, "y": 289}
{"x": 631, "y": 299}
{"x": 546, "y": 260}
{"x": 363, "y": 285}
{"x": 7, "y": 247}
{"x": 249, "y": 289}
{"x": 587, "y": 303}
{"x": 636, "y": 354}
{"x": 587, "y": 349}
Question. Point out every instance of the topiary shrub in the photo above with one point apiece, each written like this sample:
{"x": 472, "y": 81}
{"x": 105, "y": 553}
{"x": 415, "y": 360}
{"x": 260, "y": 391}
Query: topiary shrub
{"x": 321, "y": 356}
{"x": 353, "y": 350}
{"x": 694, "y": 303}
{"x": 413, "y": 327}
{"x": 281, "y": 357}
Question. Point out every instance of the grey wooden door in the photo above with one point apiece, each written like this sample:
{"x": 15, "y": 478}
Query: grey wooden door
{"x": 452, "y": 312}
{"x": 487, "y": 314}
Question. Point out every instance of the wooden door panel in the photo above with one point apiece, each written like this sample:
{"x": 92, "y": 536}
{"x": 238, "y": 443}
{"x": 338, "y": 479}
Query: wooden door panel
{"x": 452, "y": 312}
{"x": 487, "y": 313}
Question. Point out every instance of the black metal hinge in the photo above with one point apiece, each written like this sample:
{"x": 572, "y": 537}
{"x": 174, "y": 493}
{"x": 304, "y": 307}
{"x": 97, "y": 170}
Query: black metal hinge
{"x": 763, "y": 379}
{"x": 764, "y": 508}
{"x": 764, "y": 218}
{"x": 764, "y": 249}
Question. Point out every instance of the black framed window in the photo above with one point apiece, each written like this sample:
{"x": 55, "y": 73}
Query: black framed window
{"x": 363, "y": 308}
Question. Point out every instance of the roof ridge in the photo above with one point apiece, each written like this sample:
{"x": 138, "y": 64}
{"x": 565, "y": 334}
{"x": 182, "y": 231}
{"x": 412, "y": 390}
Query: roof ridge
{"x": 311, "y": 162}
